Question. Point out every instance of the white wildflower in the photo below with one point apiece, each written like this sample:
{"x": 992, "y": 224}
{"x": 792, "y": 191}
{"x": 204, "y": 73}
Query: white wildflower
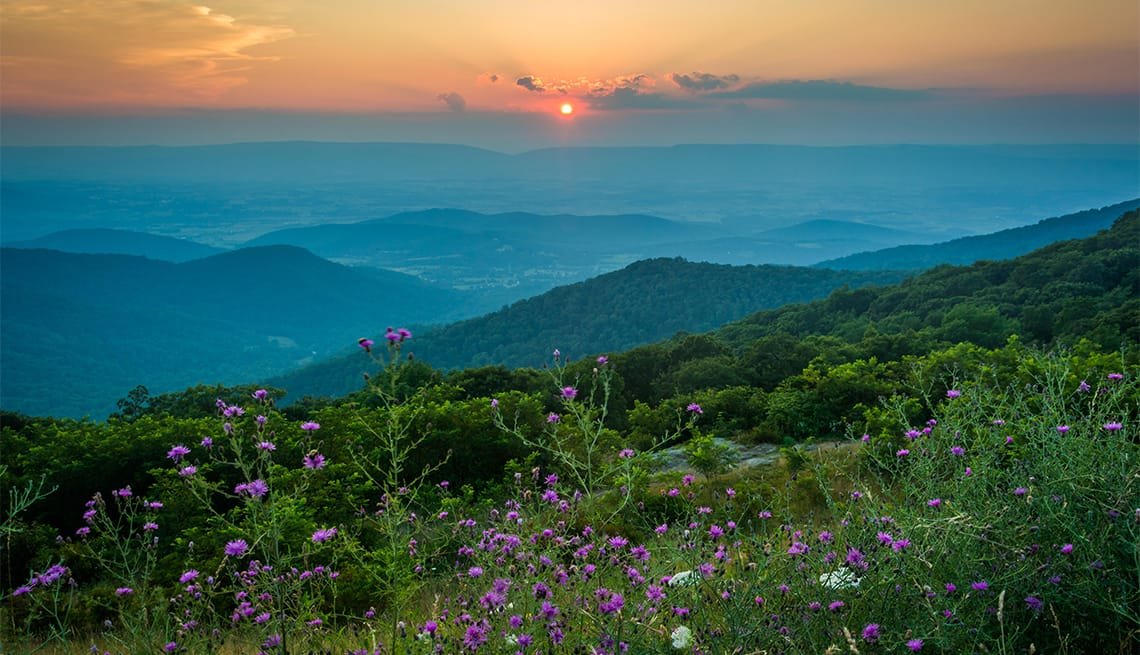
{"x": 842, "y": 578}
{"x": 682, "y": 637}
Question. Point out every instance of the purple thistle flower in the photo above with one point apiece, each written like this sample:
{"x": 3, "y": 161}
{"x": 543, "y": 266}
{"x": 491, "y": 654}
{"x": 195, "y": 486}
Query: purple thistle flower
{"x": 553, "y": 418}
{"x": 188, "y": 576}
{"x": 569, "y": 393}
{"x": 124, "y": 591}
{"x": 310, "y": 426}
{"x": 187, "y": 471}
{"x": 980, "y": 585}
{"x": 1062, "y": 429}
{"x": 260, "y": 394}
{"x": 207, "y": 442}
{"x": 314, "y": 461}
{"x": 695, "y": 408}
{"x": 1020, "y": 491}
{"x": 1034, "y": 603}
{"x": 404, "y": 333}
{"x": 170, "y": 646}
{"x": 321, "y": 536}
{"x": 150, "y": 526}
{"x": 836, "y": 605}
{"x": 953, "y": 393}
{"x": 1066, "y": 549}
{"x": 603, "y": 360}
{"x": 626, "y": 453}
{"x": 475, "y": 571}
{"x": 1113, "y": 427}
{"x": 902, "y": 452}
{"x": 871, "y": 633}
{"x": 267, "y": 446}
{"x": 177, "y": 453}
{"x": 914, "y": 645}
{"x": 1083, "y": 387}
{"x": 1115, "y": 376}
{"x": 957, "y": 451}
{"x": 934, "y": 502}
{"x": 366, "y": 344}
{"x": 236, "y": 548}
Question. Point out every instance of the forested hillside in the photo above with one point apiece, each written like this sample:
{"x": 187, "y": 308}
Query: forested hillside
{"x": 998, "y": 245}
{"x": 644, "y": 302}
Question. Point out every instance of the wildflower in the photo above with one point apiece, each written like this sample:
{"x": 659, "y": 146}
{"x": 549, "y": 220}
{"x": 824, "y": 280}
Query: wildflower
{"x": 260, "y": 394}
{"x": 475, "y": 571}
{"x": 951, "y": 587}
{"x": 187, "y": 471}
{"x": 267, "y": 446}
{"x": 494, "y": 403}
{"x": 953, "y": 393}
{"x": 730, "y": 492}
{"x": 682, "y": 638}
{"x": 1083, "y": 387}
{"x": 626, "y": 453}
{"x": 557, "y": 353}
{"x": 695, "y": 408}
{"x": 866, "y": 438}
{"x": 1062, "y": 429}
{"x": 569, "y": 393}
{"x": 553, "y": 418}
{"x": 603, "y": 360}
{"x": 271, "y": 642}
{"x": 310, "y": 426}
{"x": 314, "y": 461}
{"x": 188, "y": 576}
{"x": 998, "y": 422}
{"x": 871, "y": 633}
{"x": 177, "y": 453}
{"x": 236, "y": 548}
{"x": 684, "y": 579}
{"x": 170, "y": 646}
{"x": 1020, "y": 491}
{"x": 323, "y": 535}
{"x": 366, "y": 344}
{"x": 253, "y": 489}
{"x": 687, "y": 479}
{"x": 835, "y": 605}
{"x": 404, "y": 333}
{"x": 1034, "y": 603}
{"x": 902, "y": 452}
{"x": 934, "y": 502}
{"x": 150, "y": 526}
{"x": 1066, "y": 549}
{"x": 841, "y": 578}
{"x": 980, "y": 585}
{"x": 914, "y": 645}
{"x": 1115, "y": 376}
{"x": 1113, "y": 427}
{"x": 957, "y": 451}
{"x": 124, "y": 591}
{"x": 207, "y": 442}
{"x": 83, "y": 532}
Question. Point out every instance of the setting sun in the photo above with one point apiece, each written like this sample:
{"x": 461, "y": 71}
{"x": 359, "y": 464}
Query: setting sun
{"x": 566, "y": 109}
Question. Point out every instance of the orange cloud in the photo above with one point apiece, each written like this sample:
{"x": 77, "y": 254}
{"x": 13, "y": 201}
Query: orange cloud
{"x": 119, "y": 52}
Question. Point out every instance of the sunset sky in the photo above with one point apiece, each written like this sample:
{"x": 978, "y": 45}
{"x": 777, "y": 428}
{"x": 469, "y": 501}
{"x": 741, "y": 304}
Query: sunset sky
{"x": 495, "y": 72}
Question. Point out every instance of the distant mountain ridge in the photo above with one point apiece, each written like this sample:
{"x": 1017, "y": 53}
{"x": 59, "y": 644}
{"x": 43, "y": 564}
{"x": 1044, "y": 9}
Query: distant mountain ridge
{"x": 1004, "y": 244}
{"x": 80, "y": 330}
{"x": 643, "y": 302}
{"x": 119, "y": 242}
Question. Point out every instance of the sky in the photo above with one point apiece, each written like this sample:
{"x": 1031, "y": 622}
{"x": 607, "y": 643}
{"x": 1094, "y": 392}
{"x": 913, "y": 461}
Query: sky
{"x": 496, "y": 73}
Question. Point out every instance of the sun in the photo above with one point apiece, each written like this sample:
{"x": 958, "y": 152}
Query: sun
{"x": 566, "y": 109}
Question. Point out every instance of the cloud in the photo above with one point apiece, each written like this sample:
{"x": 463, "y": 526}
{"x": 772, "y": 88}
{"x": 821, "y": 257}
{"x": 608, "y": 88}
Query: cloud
{"x": 820, "y": 90}
{"x": 632, "y": 98}
{"x": 453, "y": 100}
{"x": 489, "y": 78}
{"x": 697, "y": 82}
{"x": 531, "y": 83}
{"x": 127, "y": 52}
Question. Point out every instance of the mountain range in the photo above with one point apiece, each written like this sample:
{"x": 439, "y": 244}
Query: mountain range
{"x": 997, "y": 245}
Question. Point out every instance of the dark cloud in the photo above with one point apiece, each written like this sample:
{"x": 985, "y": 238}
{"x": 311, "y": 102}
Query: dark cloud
{"x": 696, "y": 82}
{"x": 629, "y": 97}
{"x": 494, "y": 78}
{"x": 820, "y": 90}
{"x": 453, "y": 100}
{"x": 531, "y": 83}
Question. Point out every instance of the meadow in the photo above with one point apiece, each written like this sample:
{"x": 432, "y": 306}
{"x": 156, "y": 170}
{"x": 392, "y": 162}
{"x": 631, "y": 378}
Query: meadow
{"x": 994, "y": 509}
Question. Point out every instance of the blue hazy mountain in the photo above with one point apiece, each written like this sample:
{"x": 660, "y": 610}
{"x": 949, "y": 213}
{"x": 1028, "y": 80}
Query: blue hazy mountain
{"x": 227, "y": 194}
{"x": 120, "y": 242}
{"x": 80, "y": 330}
{"x": 1004, "y": 244}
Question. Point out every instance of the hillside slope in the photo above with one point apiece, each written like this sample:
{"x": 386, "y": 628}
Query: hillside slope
{"x": 644, "y": 302}
{"x": 998, "y": 245}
